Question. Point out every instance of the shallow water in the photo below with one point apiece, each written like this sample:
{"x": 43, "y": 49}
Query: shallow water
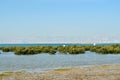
{"x": 41, "y": 62}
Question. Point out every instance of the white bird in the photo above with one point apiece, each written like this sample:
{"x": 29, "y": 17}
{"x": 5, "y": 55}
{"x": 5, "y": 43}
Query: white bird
{"x": 63, "y": 45}
{"x": 94, "y": 44}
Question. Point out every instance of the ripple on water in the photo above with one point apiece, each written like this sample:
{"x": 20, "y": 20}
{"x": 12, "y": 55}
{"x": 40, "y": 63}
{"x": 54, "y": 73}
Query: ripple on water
{"x": 40, "y": 62}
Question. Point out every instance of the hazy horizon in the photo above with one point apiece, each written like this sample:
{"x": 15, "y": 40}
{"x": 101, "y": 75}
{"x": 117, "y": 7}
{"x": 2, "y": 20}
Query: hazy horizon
{"x": 59, "y": 21}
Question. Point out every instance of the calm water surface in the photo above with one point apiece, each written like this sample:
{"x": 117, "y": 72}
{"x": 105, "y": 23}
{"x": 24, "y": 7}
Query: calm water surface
{"x": 67, "y": 44}
{"x": 41, "y": 62}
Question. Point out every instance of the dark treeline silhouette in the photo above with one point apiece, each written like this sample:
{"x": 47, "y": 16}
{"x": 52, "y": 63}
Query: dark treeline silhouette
{"x": 112, "y": 49}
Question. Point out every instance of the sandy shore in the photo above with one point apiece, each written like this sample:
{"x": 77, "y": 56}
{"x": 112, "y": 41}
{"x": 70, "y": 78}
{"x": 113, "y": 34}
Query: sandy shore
{"x": 106, "y": 72}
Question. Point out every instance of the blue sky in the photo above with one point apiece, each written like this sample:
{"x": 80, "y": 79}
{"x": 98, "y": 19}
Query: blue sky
{"x": 59, "y": 20}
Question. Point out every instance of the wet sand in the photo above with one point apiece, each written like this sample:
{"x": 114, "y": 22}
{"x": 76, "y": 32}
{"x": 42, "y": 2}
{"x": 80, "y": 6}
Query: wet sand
{"x": 106, "y": 72}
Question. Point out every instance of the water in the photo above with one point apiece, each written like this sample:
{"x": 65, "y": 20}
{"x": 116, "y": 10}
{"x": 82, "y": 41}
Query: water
{"x": 41, "y": 62}
{"x": 6, "y": 45}
{"x": 70, "y": 44}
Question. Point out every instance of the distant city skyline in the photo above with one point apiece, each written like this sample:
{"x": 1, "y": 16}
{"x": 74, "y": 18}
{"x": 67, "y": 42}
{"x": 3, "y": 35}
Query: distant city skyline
{"x": 59, "y": 21}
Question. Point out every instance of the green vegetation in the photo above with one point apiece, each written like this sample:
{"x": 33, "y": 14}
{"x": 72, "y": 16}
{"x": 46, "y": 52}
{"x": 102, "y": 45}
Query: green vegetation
{"x": 9, "y": 73}
{"x": 1, "y": 75}
{"x": 63, "y": 69}
{"x": 71, "y": 49}
{"x": 113, "y": 49}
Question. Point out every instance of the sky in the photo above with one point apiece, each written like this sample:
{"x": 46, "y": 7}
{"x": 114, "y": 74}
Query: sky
{"x": 59, "y": 21}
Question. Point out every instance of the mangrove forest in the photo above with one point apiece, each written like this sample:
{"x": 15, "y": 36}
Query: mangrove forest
{"x": 111, "y": 49}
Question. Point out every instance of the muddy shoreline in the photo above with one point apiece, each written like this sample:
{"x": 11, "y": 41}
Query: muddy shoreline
{"x": 104, "y": 72}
